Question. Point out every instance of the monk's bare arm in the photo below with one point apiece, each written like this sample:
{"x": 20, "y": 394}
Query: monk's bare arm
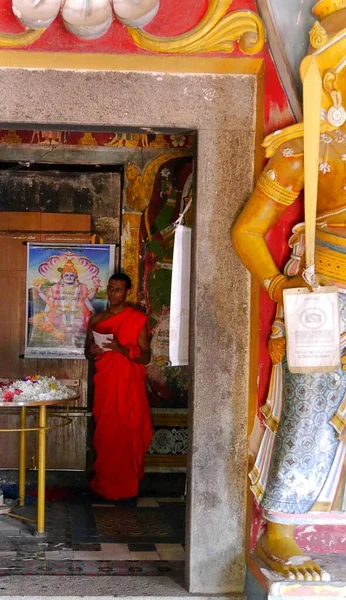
{"x": 144, "y": 344}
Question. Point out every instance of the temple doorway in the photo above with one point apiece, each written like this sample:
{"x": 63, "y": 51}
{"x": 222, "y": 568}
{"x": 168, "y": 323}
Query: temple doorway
{"x": 80, "y": 187}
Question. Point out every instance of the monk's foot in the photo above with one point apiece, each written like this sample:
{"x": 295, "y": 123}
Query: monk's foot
{"x": 283, "y": 555}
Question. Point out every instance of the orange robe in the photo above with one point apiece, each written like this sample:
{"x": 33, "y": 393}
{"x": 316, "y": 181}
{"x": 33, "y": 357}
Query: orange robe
{"x": 121, "y": 411}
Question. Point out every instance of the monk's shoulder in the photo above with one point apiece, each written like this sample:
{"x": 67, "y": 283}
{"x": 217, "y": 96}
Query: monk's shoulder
{"x": 137, "y": 313}
{"x": 138, "y": 316}
{"x": 95, "y": 319}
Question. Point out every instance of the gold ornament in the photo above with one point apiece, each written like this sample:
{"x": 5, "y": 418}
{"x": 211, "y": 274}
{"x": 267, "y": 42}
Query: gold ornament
{"x": 276, "y": 284}
{"x": 324, "y": 8}
{"x": 17, "y": 40}
{"x": 275, "y": 191}
{"x": 216, "y": 32}
{"x": 318, "y": 35}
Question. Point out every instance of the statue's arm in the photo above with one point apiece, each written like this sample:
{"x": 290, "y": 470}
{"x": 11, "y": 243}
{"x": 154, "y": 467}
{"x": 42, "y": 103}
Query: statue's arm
{"x": 277, "y": 188}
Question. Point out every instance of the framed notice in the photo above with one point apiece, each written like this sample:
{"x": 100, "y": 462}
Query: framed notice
{"x": 312, "y": 330}
{"x": 65, "y": 285}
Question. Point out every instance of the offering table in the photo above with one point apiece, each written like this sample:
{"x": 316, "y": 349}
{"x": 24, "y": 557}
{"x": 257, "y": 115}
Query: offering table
{"x": 42, "y": 428}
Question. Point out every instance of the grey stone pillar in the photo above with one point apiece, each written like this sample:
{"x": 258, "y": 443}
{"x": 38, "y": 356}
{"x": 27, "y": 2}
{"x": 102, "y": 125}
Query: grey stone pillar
{"x": 221, "y": 106}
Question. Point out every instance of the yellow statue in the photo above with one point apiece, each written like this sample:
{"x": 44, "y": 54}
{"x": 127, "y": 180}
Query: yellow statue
{"x": 299, "y": 474}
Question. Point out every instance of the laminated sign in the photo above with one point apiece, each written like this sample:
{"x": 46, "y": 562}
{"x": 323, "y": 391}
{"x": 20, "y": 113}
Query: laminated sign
{"x": 312, "y": 330}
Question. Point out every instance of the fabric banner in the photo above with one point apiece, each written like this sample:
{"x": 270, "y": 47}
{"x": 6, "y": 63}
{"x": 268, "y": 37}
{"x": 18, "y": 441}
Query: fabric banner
{"x": 180, "y": 298}
{"x": 65, "y": 285}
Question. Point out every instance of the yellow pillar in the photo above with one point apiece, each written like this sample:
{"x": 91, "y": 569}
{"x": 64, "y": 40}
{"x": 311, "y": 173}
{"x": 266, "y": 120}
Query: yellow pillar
{"x": 22, "y": 452}
{"x": 42, "y": 423}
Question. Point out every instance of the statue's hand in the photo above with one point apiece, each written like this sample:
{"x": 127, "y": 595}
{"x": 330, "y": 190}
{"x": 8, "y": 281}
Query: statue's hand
{"x": 276, "y": 349}
{"x": 291, "y": 282}
{"x": 343, "y": 360}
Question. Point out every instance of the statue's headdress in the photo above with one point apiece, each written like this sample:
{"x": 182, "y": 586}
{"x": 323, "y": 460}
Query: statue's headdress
{"x": 325, "y": 8}
{"x": 69, "y": 268}
{"x": 319, "y": 36}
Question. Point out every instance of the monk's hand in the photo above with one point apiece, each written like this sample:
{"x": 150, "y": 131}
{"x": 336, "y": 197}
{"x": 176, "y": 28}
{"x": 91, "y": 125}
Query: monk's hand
{"x": 95, "y": 350}
{"x": 114, "y": 346}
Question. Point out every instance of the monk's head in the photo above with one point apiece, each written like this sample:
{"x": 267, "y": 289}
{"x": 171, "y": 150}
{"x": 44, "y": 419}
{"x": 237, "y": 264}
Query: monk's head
{"x": 118, "y": 287}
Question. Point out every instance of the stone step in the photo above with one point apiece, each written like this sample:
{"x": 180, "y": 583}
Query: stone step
{"x": 16, "y": 587}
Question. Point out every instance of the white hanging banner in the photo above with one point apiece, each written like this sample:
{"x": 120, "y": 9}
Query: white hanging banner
{"x": 180, "y": 298}
{"x": 312, "y": 329}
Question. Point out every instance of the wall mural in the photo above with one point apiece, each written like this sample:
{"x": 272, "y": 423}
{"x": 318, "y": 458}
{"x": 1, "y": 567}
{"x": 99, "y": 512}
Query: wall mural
{"x": 155, "y": 196}
{"x": 78, "y": 138}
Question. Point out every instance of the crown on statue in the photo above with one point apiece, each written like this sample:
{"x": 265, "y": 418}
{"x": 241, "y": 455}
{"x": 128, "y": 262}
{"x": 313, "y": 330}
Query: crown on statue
{"x": 324, "y": 8}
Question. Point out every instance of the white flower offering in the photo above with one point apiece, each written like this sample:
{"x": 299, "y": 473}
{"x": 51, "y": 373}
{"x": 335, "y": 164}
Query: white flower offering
{"x": 37, "y": 388}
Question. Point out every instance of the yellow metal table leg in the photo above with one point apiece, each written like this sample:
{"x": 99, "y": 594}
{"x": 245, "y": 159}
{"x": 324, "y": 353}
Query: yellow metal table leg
{"x": 42, "y": 423}
{"x": 22, "y": 448}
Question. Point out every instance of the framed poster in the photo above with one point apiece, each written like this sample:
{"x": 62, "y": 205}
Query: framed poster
{"x": 64, "y": 286}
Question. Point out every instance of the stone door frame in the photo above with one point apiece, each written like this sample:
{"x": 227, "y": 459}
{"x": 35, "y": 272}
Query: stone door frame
{"x": 220, "y": 99}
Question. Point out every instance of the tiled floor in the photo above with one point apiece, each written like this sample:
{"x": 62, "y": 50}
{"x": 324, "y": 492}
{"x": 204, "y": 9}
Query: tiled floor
{"x": 143, "y": 536}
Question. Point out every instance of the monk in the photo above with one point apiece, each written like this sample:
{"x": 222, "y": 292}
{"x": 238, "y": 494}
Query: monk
{"x": 121, "y": 410}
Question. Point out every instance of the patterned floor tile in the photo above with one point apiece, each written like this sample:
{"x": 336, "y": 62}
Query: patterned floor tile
{"x": 59, "y": 555}
{"x": 144, "y": 555}
{"x": 116, "y": 551}
{"x": 142, "y": 547}
{"x": 87, "y": 546}
{"x": 147, "y": 503}
{"x": 163, "y": 500}
{"x": 119, "y": 524}
{"x": 86, "y": 537}
{"x": 170, "y": 551}
{"x": 6, "y": 554}
{"x": 169, "y": 555}
{"x": 59, "y": 567}
{"x": 32, "y": 567}
{"x": 88, "y": 555}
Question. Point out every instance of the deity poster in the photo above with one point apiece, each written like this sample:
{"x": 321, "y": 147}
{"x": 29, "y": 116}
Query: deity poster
{"x": 65, "y": 286}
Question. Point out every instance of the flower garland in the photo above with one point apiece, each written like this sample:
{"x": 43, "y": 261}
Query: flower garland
{"x": 34, "y": 389}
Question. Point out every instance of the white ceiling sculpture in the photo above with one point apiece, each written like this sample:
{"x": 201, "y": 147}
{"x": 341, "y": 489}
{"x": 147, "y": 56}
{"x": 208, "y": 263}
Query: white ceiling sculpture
{"x": 87, "y": 19}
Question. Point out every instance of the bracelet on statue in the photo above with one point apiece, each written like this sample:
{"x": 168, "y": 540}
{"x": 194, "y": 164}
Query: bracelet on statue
{"x": 275, "y": 285}
{"x": 275, "y": 191}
